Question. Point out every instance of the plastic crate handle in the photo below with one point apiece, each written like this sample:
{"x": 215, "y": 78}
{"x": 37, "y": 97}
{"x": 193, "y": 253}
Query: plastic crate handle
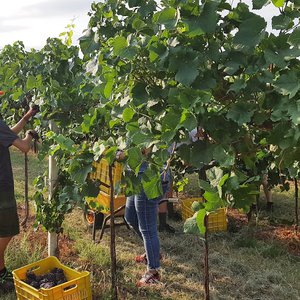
{"x": 33, "y": 268}
{"x": 70, "y": 287}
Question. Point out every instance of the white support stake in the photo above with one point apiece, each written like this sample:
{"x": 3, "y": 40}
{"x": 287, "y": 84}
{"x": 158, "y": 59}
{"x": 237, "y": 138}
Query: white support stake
{"x": 53, "y": 175}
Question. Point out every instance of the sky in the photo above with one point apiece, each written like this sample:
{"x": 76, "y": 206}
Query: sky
{"x": 33, "y": 21}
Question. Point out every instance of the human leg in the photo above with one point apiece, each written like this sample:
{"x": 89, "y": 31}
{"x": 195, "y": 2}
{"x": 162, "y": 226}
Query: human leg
{"x": 163, "y": 207}
{"x": 146, "y": 213}
{"x": 3, "y": 245}
{"x": 131, "y": 215}
{"x": 147, "y": 219}
{"x": 147, "y": 216}
{"x": 162, "y": 218}
{"x": 267, "y": 191}
{"x": 6, "y": 279}
{"x": 132, "y": 219}
{"x": 9, "y": 227}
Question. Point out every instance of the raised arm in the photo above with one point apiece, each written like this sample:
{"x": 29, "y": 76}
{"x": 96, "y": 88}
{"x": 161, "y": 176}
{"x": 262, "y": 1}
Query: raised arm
{"x": 20, "y": 125}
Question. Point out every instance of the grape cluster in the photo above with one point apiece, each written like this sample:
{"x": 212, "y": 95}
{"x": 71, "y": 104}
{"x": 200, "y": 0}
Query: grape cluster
{"x": 55, "y": 277}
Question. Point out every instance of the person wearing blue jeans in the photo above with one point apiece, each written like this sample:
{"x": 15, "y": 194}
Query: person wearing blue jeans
{"x": 141, "y": 215}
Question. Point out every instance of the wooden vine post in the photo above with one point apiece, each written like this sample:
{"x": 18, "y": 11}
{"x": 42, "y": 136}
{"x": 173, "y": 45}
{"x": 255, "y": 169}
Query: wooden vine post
{"x": 296, "y": 204}
{"x": 113, "y": 255}
{"x": 26, "y": 198}
{"x": 53, "y": 175}
{"x": 206, "y": 267}
{"x": 23, "y": 222}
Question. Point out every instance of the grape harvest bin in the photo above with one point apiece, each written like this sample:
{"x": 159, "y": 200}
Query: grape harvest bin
{"x": 217, "y": 220}
{"x": 77, "y": 287}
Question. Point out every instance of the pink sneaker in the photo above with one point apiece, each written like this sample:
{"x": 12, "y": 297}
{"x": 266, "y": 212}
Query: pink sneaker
{"x": 142, "y": 259}
{"x": 149, "y": 279}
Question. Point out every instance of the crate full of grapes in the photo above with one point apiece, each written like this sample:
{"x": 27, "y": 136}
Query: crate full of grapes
{"x": 48, "y": 279}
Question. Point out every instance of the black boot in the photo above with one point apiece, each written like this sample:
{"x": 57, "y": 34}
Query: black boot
{"x": 269, "y": 206}
{"x": 170, "y": 210}
{"x": 6, "y": 282}
{"x": 163, "y": 226}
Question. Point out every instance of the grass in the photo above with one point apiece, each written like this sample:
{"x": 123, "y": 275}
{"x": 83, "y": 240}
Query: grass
{"x": 35, "y": 168}
{"x": 241, "y": 265}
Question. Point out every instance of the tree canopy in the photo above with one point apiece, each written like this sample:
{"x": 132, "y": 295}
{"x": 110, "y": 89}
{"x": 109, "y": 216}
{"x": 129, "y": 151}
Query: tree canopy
{"x": 144, "y": 75}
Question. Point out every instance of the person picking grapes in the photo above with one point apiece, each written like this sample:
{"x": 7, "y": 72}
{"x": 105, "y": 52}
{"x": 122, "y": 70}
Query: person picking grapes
{"x": 9, "y": 222}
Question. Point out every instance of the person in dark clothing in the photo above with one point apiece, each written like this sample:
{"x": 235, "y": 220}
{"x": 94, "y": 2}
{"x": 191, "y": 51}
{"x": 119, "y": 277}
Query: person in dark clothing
{"x": 9, "y": 223}
{"x": 163, "y": 226}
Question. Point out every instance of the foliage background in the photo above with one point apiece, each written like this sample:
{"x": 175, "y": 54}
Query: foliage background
{"x": 144, "y": 75}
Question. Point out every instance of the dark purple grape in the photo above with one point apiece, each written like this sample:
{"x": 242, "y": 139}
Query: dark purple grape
{"x": 47, "y": 285}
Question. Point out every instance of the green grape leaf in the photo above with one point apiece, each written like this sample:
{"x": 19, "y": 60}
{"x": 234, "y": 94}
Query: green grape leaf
{"x": 213, "y": 201}
{"x": 31, "y": 82}
{"x": 240, "y": 113}
{"x": 250, "y": 32}
{"x": 119, "y": 44}
{"x": 206, "y": 186}
{"x": 294, "y": 38}
{"x": 166, "y": 17}
{"x": 288, "y": 84}
{"x": 188, "y": 120}
{"x": 151, "y": 183}
{"x": 208, "y": 17}
{"x": 200, "y": 217}
{"x": 245, "y": 196}
{"x": 190, "y": 226}
{"x": 278, "y": 3}
{"x": 187, "y": 73}
{"x": 294, "y": 111}
{"x": 135, "y": 158}
{"x": 128, "y": 114}
{"x": 258, "y": 4}
{"x": 281, "y": 22}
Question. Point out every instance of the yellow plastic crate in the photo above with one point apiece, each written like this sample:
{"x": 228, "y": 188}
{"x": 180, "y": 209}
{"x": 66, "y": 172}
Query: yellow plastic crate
{"x": 102, "y": 202}
{"x": 77, "y": 287}
{"x": 101, "y": 173}
{"x": 217, "y": 221}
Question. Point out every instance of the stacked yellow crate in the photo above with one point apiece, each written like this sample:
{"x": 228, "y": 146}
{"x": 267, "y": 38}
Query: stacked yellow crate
{"x": 217, "y": 220}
